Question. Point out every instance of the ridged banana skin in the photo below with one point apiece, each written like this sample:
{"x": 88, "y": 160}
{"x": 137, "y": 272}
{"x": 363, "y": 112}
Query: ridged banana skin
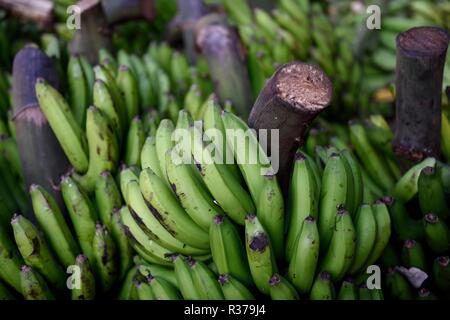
{"x": 78, "y": 89}
{"x": 221, "y": 182}
{"x": 87, "y": 280}
{"x": 171, "y": 215}
{"x": 193, "y": 196}
{"x": 333, "y": 193}
{"x": 260, "y": 255}
{"x": 270, "y": 212}
{"x": 228, "y": 251}
{"x": 107, "y": 197}
{"x": 82, "y": 214}
{"x": 303, "y": 263}
{"x": 341, "y": 251}
{"x": 54, "y": 226}
{"x": 184, "y": 278}
{"x": 163, "y": 143}
{"x": 10, "y": 261}
{"x": 103, "y": 148}
{"x": 383, "y": 221}
{"x": 128, "y": 86}
{"x": 322, "y": 288}
{"x": 232, "y": 289}
{"x": 205, "y": 281}
{"x": 149, "y": 156}
{"x": 124, "y": 249}
{"x": 33, "y": 286}
{"x": 149, "y": 223}
{"x": 105, "y": 257}
{"x": 63, "y": 124}
{"x": 35, "y": 251}
{"x": 366, "y": 233}
{"x": 303, "y": 200}
{"x": 281, "y": 289}
{"x": 251, "y": 159}
{"x": 134, "y": 142}
{"x": 163, "y": 290}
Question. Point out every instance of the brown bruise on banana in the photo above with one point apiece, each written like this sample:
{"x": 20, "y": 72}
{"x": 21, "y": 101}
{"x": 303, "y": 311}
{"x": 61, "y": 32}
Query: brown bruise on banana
{"x": 142, "y": 225}
{"x": 259, "y": 242}
{"x": 161, "y": 218}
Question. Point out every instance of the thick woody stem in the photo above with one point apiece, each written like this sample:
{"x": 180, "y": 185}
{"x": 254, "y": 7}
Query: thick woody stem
{"x": 39, "y": 11}
{"x": 189, "y": 12}
{"x": 420, "y": 64}
{"x": 42, "y": 159}
{"x": 225, "y": 55}
{"x": 123, "y": 10}
{"x": 93, "y": 33}
{"x": 291, "y": 99}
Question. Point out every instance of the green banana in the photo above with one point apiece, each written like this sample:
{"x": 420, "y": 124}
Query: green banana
{"x": 383, "y": 221}
{"x": 281, "y": 289}
{"x": 366, "y": 234}
{"x": 407, "y": 186}
{"x": 35, "y": 251}
{"x": 205, "y": 281}
{"x": 445, "y": 133}
{"x": 370, "y": 158}
{"x": 355, "y": 197}
{"x": 184, "y": 278}
{"x": 437, "y": 234}
{"x": 126, "y": 175}
{"x": 220, "y": 180}
{"x": 146, "y": 247}
{"x": 397, "y": 286}
{"x": 123, "y": 247}
{"x": 228, "y": 251}
{"x": 127, "y": 291}
{"x": 5, "y": 294}
{"x": 10, "y": 261}
{"x": 341, "y": 251}
{"x": 413, "y": 255}
{"x": 135, "y": 141}
{"x": 63, "y": 124}
{"x": 303, "y": 262}
{"x": 404, "y": 226}
{"x": 303, "y": 199}
{"x": 348, "y": 290}
{"x": 192, "y": 194}
{"x": 103, "y": 148}
{"x": 105, "y": 257}
{"x": 54, "y": 226}
{"x": 149, "y": 223}
{"x": 441, "y": 273}
{"x": 431, "y": 193}
{"x": 163, "y": 143}
{"x": 149, "y": 156}
{"x": 86, "y": 290}
{"x": 157, "y": 271}
{"x": 162, "y": 289}
{"x": 248, "y": 153}
{"x": 364, "y": 292}
{"x": 104, "y": 54}
{"x": 322, "y": 288}
{"x": 102, "y": 73}
{"x": 164, "y": 205}
{"x": 104, "y": 101}
{"x": 89, "y": 75}
{"x": 82, "y": 214}
{"x": 78, "y": 89}
{"x": 260, "y": 254}
{"x": 332, "y": 194}
{"x": 33, "y": 285}
{"x": 107, "y": 197}
{"x": 233, "y": 289}
{"x": 143, "y": 289}
{"x": 128, "y": 86}
{"x": 270, "y": 212}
